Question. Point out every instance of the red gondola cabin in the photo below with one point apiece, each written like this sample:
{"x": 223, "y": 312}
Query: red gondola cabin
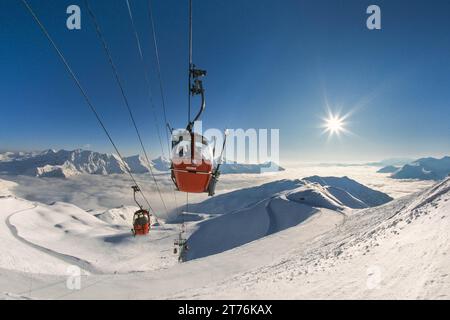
{"x": 141, "y": 223}
{"x": 192, "y": 163}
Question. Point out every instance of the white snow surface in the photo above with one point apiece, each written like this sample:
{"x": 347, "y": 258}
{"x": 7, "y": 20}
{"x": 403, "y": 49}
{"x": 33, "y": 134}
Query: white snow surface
{"x": 397, "y": 251}
{"x": 297, "y": 240}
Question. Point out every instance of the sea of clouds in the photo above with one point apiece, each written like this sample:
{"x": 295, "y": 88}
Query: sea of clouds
{"x": 98, "y": 193}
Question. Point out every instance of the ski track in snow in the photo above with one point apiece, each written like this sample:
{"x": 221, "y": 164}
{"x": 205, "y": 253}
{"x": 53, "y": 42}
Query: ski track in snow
{"x": 165, "y": 282}
{"x": 209, "y": 270}
{"x": 85, "y": 265}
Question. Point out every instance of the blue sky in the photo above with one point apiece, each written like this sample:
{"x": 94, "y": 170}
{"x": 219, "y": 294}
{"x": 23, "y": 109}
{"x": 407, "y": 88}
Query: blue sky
{"x": 271, "y": 64}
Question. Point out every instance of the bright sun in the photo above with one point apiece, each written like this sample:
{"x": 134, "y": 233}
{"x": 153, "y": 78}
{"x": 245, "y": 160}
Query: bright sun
{"x": 334, "y": 125}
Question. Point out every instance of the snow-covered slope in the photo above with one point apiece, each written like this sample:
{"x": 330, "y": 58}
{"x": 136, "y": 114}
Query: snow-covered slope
{"x": 232, "y": 230}
{"x": 396, "y": 251}
{"x": 69, "y": 231}
{"x": 242, "y": 198}
{"x": 17, "y": 254}
{"x": 326, "y": 197}
{"x": 5, "y": 188}
{"x": 47, "y": 239}
{"x": 425, "y": 169}
{"x": 348, "y": 193}
{"x": 367, "y": 195}
{"x": 264, "y": 212}
{"x": 122, "y": 216}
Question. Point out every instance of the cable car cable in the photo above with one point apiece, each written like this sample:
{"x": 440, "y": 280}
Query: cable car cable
{"x": 190, "y": 61}
{"x": 161, "y": 87}
{"x": 158, "y": 64}
{"x": 141, "y": 56}
{"x": 125, "y": 98}
{"x": 83, "y": 92}
{"x": 150, "y": 94}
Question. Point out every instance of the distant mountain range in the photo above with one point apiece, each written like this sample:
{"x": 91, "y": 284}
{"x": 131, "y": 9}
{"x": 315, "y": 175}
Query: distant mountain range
{"x": 234, "y": 168}
{"x": 424, "y": 169}
{"x": 63, "y": 164}
{"x": 395, "y": 162}
{"x": 388, "y": 169}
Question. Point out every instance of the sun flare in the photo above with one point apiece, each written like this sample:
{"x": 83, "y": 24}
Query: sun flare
{"x": 334, "y": 124}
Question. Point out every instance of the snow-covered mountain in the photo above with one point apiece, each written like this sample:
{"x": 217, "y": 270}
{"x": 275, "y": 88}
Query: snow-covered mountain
{"x": 295, "y": 243}
{"x": 137, "y": 164}
{"x": 62, "y": 163}
{"x": 397, "y": 162}
{"x": 396, "y": 251}
{"x": 161, "y": 164}
{"x": 425, "y": 169}
{"x": 388, "y": 169}
{"x": 368, "y": 196}
{"x": 343, "y": 192}
{"x": 253, "y": 213}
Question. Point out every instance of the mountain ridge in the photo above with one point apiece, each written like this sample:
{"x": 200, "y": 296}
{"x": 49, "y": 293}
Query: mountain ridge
{"x": 425, "y": 169}
{"x": 63, "y": 164}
